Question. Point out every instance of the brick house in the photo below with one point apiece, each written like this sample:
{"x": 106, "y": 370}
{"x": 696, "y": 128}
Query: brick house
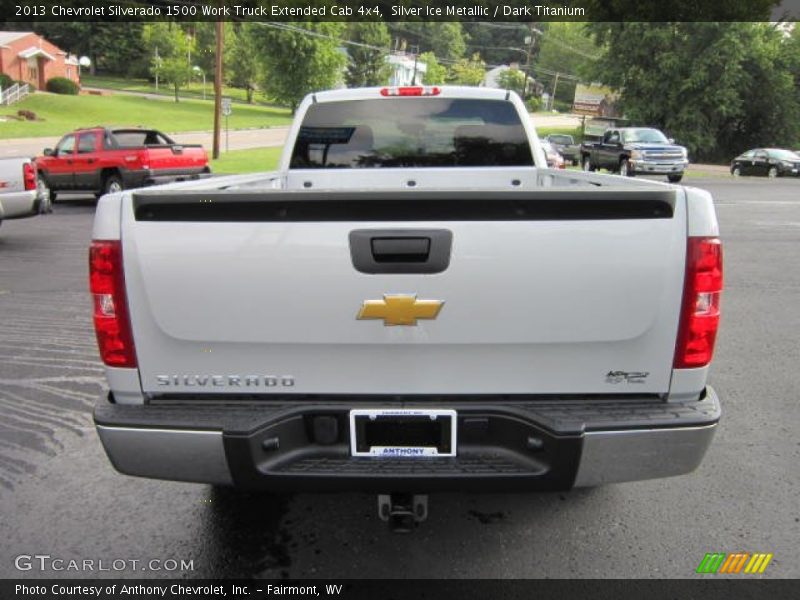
{"x": 27, "y": 56}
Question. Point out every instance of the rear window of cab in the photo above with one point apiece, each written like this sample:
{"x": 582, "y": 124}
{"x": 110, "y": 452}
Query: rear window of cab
{"x": 411, "y": 132}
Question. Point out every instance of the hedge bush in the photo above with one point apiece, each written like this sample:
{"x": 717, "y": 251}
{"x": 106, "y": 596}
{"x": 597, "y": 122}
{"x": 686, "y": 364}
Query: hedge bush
{"x": 62, "y": 85}
{"x": 5, "y": 81}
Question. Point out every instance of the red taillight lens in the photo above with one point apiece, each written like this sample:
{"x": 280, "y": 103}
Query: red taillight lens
{"x": 110, "y": 310}
{"x": 411, "y": 91}
{"x": 700, "y": 311}
{"x": 29, "y": 175}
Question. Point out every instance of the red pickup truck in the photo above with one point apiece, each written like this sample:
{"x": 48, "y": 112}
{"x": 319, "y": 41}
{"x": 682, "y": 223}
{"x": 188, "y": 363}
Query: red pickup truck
{"x": 103, "y": 161}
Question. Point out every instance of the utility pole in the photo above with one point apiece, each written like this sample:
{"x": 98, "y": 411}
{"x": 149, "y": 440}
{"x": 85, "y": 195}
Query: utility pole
{"x": 555, "y": 86}
{"x": 530, "y": 41}
{"x": 414, "y": 76}
{"x": 217, "y": 89}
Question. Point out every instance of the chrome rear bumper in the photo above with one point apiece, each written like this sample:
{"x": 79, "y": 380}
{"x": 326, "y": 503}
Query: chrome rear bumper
{"x": 605, "y": 449}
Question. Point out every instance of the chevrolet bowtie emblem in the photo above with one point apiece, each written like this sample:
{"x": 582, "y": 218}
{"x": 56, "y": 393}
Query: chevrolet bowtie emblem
{"x": 400, "y": 309}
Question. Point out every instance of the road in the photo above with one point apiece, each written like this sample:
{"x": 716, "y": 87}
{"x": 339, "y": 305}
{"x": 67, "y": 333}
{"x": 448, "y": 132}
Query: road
{"x": 60, "y": 496}
{"x": 240, "y": 139}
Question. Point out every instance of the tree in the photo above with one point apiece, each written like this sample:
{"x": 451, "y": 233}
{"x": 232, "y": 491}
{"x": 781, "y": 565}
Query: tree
{"x": 444, "y": 38}
{"x": 111, "y": 47}
{"x": 435, "y": 74}
{"x": 241, "y": 58}
{"x": 716, "y": 87}
{"x": 498, "y": 45}
{"x": 172, "y": 48}
{"x": 566, "y": 48}
{"x": 300, "y": 58}
{"x": 512, "y": 79}
{"x": 468, "y": 71}
{"x": 367, "y": 65}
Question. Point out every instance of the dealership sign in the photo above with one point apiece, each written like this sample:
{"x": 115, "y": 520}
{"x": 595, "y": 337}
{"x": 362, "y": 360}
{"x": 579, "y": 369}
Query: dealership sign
{"x": 595, "y": 101}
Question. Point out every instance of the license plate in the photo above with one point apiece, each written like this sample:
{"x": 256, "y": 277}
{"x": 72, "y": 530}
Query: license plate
{"x": 403, "y": 433}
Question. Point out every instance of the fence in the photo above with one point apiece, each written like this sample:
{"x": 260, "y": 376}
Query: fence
{"x": 14, "y": 94}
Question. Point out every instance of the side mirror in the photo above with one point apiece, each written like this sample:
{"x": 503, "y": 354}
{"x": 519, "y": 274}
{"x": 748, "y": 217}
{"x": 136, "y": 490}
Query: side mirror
{"x": 671, "y": 140}
{"x": 49, "y": 152}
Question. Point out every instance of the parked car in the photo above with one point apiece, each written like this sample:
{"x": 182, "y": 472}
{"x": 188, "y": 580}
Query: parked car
{"x": 554, "y": 159}
{"x": 103, "y": 160}
{"x": 565, "y": 145}
{"x": 20, "y": 195}
{"x": 636, "y": 150}
{"x": 772, "y": 162}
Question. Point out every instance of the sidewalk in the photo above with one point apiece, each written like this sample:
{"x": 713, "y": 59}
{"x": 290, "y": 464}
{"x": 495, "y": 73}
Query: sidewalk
{"x": 239, "y": 139}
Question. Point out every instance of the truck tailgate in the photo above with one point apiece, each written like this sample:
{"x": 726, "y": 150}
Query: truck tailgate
{"x": 546, "y": 292}
{"x": 175, "y": 157}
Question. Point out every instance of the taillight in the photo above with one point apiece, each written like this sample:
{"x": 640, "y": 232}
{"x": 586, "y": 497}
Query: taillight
{"x": 110, "y": 310}
{"x": 699, "y": 322}
{"x": 29, "y": 175}
{"x": 411, "y": 91}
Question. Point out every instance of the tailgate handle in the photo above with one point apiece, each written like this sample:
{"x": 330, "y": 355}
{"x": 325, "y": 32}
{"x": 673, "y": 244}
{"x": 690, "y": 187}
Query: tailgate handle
{"x": 400, "y": 249}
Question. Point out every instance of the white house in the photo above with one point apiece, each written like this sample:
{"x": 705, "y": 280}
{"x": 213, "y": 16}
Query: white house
{"x": 404, "y": 67}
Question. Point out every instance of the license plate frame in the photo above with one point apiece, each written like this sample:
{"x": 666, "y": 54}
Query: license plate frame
{"x": 367, "y": 424}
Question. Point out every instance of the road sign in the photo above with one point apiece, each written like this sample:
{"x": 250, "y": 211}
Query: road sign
{"x": 227, "y": 109}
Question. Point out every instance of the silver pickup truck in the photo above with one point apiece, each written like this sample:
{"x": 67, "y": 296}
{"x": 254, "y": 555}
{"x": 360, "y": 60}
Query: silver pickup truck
{"x": 20, "y": 189}
{"x": 411, "y": 303}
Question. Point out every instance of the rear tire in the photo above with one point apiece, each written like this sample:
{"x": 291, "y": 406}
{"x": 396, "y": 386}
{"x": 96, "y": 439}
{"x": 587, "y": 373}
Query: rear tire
{"x": 587, "y": 164}
{"x": 772, "y": 173}
{"x": 113, "y": 184}
{"x": 46, "y": 195}
{"x": 675, "y": 178}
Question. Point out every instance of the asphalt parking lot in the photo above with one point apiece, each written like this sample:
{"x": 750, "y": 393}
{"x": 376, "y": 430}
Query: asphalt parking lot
{"x": 60, "y": 496}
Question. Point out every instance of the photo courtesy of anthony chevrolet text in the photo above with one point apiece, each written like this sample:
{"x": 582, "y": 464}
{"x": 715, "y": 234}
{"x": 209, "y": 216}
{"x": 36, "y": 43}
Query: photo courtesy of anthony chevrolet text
{"x": 399, "y": 299}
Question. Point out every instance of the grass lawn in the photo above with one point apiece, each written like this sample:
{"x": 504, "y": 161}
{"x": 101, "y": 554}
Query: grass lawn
{"x": 61, "y": 114}
{"x": 191, "y": 90}
{"x": 246, "y": 161}
{"x": 575, "y": 132}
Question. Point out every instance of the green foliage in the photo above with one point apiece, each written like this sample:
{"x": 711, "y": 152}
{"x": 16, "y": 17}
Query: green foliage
{"x": 498, "y": 45}
{"x": 62, "y": 85}
{"x": 5, "y": 81}
{"x": 445, "y": 39}
{"x": 241, "y": 58}
{"x": 294, "y": 64}
{"x": 512, "y": 79}
{"x": 534, "y": 104}
{"x": 368, "y": 66}
{"x": 468, "y": 71}
{"x": 435, "y": 74}
{"x": 172, "y": 48}
{"x": 565, "y": 47}
{"x": 717, "y": 88}
{"x": 112, "y": 47}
